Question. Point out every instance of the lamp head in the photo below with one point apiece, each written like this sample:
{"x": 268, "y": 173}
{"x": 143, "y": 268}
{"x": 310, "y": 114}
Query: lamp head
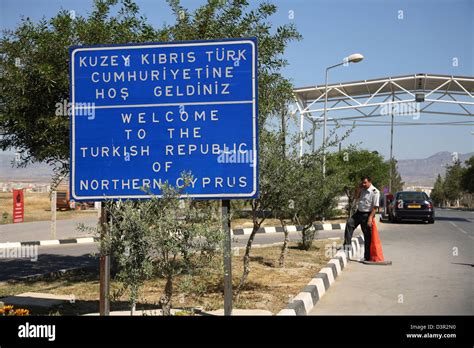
{"x": 355, "y": 58}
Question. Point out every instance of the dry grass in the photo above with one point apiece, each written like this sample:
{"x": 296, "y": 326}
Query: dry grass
{"x": 37, "y": 208}
{"x": 268, "y": 287}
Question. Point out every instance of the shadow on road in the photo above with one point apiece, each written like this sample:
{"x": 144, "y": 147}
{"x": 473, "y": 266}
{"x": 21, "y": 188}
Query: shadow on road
{"x": 15, "y": 269}
{"x": 463, "y": 264}
{"x": 407, "y": 222}
{"x": 419, "y": 222}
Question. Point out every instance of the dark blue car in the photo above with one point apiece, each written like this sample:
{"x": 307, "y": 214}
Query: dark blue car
{"x": 411, "y": 205}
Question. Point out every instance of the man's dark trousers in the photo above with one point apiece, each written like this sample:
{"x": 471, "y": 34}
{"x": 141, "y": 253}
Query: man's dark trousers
{"x": 359, "y": 218}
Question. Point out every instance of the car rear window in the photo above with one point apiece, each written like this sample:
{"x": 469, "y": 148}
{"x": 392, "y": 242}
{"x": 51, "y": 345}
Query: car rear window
{"x": 407, "y": 196}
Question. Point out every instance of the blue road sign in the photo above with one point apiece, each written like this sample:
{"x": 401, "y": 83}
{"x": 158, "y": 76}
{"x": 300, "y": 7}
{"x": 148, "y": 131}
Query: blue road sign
{"x": 143, "y": 114}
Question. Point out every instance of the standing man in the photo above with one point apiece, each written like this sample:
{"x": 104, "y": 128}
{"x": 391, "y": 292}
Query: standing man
{"x": 367, "y": 204}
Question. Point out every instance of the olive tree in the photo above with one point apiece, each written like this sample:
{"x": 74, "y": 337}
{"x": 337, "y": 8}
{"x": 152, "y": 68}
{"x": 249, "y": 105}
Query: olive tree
{"x": 316, "y": 197}
{"x": 129, "y": 243}
{"x": 166, "y": 236}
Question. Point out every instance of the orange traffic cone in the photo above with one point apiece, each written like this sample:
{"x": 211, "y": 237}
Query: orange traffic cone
{"x": 376, "y": 254}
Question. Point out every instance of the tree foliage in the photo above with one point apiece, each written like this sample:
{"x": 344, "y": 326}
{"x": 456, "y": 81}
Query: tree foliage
{"x": 457, "y": 184}
{"x": 437, "y": 193}
{"x": 129, "y": 242}
{"x": 467, "y": 177}
{"x": 356, "y": 163}
{"x": 452, "y": 182}
{"x": 34, "y": 66}
{"x": 163, "y": 236}
{"x": 315, "y": 196}
{"x": 397, "y": 182}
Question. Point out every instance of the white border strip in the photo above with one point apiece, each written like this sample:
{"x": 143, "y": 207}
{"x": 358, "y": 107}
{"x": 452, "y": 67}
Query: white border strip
{"x": 10, "y": 245}
{"x": 85, "y": 240}
{"x": 49, "y": 242}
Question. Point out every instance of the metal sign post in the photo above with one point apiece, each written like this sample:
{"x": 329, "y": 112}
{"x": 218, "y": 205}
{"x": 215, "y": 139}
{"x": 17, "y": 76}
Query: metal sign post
{"x": 227, "y": 257}
{"x": 104, "y": 266}
{"x": 54, "y": 196}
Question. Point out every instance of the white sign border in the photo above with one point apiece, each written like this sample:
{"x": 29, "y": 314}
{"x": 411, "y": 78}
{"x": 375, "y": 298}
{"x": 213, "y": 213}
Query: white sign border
{"x": 208, "y": 196}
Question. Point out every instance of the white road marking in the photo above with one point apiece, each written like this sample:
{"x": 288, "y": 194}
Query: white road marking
{"x": 460, "y": 229}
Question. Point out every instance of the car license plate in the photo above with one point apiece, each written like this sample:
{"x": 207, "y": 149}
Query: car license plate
{"x": 414, "y": 206}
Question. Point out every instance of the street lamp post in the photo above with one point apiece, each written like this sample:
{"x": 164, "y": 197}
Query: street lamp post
{"x": 353, "y": 58}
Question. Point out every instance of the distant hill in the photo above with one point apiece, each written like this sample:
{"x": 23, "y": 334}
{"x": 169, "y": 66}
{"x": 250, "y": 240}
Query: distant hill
{"x": 423, "y": 172}
{"x": 39, "y": 172}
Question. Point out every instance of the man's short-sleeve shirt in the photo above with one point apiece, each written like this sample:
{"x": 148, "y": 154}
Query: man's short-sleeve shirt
{"x": 368, "y": 199}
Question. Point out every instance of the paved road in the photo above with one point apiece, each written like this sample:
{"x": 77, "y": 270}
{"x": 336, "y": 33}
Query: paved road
{"x": 53, "y": 258}
{"x": 41, "y": 230}
{"x": 49, "y": 259}
{"x": 432, "y": 272}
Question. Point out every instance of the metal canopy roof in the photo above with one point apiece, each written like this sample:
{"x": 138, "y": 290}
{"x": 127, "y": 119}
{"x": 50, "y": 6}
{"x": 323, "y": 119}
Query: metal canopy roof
{"x": 369, "y": 96}
{"x": 387, "y": 96}
{"x": 413, "y": 83}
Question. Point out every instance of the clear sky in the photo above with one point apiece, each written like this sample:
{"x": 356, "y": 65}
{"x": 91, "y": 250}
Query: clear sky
{"x": 427, "y": 38}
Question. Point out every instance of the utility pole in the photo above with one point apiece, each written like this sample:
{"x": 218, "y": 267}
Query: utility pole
{"x": 313, "y": 143}
{"x": 353, "y": 58}
{"x": 283, "y": 130}
{"x": 391, "y": 147}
